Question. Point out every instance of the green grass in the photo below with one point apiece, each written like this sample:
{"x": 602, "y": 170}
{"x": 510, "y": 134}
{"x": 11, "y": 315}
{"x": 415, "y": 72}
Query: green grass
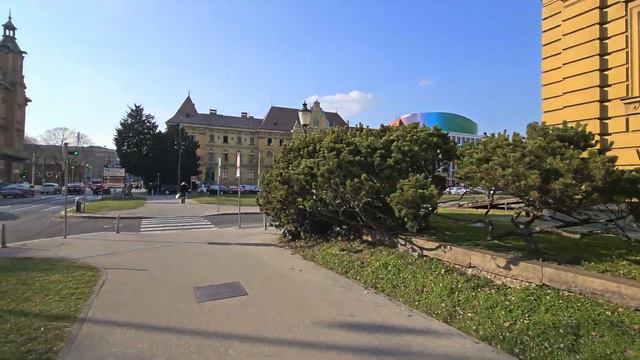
{"x": 39, "y": 302}
{"x": 106, "y": 205}
{"x": 227, "y": 199}
{"x": 603, "y": 253}
{"x": 529, "y": 323}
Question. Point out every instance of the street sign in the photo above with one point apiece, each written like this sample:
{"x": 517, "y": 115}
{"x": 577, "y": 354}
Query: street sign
{"x": 113, "y": 178}
{"x": 113, "y": 172}
{"x": 238, "y": 164}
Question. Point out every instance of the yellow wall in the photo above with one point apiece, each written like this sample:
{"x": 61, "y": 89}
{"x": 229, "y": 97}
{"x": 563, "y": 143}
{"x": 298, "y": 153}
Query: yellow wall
{"x": 591, "y": 70}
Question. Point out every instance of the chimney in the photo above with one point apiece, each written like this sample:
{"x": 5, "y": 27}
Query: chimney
{"x": 244, "y": 114}
{"x": 213, "y": 111}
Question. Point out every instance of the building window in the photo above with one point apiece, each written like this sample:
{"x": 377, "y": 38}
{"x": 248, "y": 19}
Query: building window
{"x": 211, "y": 137}
{"x": 269, "y": 141}
{"x": 211, "y": 157}
{"x": 252, "y": 174}
{"x": 49, "y": 174}
{"x": 251, "y": 155}
{"x": 251, "y": 141}
{"x": 225, "y": 173}
{"x": 225, "y": 139}
{"x": 238, "y": 140}
{"x": 281, "y": 142}
{"x": 269, "y": 158}
{"x": 225, "y": 156}
{"x": 634, "y": 50}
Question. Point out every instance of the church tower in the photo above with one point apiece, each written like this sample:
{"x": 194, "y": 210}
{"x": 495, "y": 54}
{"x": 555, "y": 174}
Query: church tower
{"x": 13, "y": 103}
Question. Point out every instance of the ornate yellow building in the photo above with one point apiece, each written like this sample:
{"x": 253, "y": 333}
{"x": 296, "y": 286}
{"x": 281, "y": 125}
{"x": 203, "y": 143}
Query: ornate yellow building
{"x": 259, "y": 141}
{"x": 591, "y": 70}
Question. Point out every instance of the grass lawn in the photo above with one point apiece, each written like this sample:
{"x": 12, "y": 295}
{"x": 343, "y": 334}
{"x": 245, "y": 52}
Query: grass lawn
{"x": 39, "y": 302}
{"x": 106, "y": 205}
{"x": 529, "y": 323}
{"x": 602, "y": 253}
{"x": 227, "y": 199}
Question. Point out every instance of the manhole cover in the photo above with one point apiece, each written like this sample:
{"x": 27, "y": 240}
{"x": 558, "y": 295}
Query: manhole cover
{"x": 219, "y": 291}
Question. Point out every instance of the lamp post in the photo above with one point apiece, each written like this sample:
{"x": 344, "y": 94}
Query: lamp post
{"x": 304, "y": 115}
{"x": 179, "y": 147}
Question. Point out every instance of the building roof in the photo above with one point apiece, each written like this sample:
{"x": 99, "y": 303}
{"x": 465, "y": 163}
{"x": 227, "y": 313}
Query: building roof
{"x": 285, "y": 119}
{"x": 278, "y": 118}
{"x": 187, "y": 114}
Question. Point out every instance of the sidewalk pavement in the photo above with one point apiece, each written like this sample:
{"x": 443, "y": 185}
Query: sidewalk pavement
{"x": 157, "y": 206}
{"x": 146, "y": 309}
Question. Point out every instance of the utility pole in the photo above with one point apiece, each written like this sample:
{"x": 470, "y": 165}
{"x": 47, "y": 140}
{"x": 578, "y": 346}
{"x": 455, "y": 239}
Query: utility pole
{"x": 264, "y": 216}
{"x": 65, "y": 163}
{"x": 179, "y": 154}
{"x": 238, "y": 177}
{"x": 33, "y": 168}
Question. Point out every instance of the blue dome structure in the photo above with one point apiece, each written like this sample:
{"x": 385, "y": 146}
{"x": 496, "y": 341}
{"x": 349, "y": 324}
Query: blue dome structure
{"x": 448, "y": 122}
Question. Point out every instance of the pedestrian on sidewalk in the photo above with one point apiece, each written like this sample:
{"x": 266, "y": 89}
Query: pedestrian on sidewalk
{"x": 183, "y": 191}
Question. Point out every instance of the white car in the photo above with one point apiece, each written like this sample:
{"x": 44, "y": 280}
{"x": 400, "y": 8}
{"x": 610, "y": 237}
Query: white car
{"x": 455, "y": 190}
{"x": 49, "y": 188}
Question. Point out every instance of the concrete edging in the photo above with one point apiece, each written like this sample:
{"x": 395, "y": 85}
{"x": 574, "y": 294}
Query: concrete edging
{"x": 139, "y": 217}
{"x": 614, "y": 289}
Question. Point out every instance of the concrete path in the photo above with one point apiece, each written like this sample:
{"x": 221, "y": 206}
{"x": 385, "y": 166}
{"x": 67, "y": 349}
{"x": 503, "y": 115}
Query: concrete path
{"x": 146, "y": 307}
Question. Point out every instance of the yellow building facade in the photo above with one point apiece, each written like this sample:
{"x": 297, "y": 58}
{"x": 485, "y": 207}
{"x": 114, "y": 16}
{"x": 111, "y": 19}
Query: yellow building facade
{"x": 591, "y": 70}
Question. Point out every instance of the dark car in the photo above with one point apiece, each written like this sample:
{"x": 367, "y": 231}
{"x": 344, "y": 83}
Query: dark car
{"x": 75, "y": 189}
{"x": 213, "y": 190}
{"x": 17, "y": 190}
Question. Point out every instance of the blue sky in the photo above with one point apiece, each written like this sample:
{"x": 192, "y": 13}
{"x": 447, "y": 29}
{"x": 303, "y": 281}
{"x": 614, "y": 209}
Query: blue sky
{"x": 372, "y": 60}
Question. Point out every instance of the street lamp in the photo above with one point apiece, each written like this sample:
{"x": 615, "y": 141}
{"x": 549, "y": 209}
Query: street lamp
{"x": 304, "y": 115}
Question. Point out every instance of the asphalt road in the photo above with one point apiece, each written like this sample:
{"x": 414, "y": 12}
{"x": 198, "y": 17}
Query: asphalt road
{"x": 38, "y": 218}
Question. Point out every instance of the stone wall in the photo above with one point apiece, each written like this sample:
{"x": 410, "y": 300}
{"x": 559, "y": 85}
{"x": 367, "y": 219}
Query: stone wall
{"x": 617, "y": 290}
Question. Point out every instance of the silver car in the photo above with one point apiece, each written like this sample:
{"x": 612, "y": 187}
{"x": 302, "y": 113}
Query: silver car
{"x": 50, "y": 188}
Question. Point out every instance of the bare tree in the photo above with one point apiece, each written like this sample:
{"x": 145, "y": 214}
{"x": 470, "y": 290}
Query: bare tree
{"x": 61, "y": 135}
{"x": 57, "y": 136}
{"x": 83, "y": 139}
{"x": 30, "y": 139}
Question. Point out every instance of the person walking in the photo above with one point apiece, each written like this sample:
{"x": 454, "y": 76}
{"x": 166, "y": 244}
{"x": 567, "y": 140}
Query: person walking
{"x": 183, "y": 191}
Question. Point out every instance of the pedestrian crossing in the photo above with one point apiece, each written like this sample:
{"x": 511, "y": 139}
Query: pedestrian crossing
{"x": 175, "y": 223}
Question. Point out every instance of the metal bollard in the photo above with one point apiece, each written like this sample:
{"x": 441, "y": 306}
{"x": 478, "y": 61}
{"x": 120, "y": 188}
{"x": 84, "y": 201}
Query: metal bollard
{"x": 118, "y": 224}
{"x": 4, "y": 236}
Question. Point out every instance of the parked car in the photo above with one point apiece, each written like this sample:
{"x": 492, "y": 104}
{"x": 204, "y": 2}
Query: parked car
{"x": 75, "y": 189}
{"x": 213, "y": 190}
{"x": 17, "y": 190}
{"x": 249, "y": 189}
{"x": 455, "y": 190}
{"x": 3, "y": 185}
{"x": 50, "y": 188}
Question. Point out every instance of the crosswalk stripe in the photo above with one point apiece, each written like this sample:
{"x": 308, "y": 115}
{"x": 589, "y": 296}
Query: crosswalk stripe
{"x": 175, "y": 222}
{"x": 179, "y": 228}
{"x": 170, "y": 223}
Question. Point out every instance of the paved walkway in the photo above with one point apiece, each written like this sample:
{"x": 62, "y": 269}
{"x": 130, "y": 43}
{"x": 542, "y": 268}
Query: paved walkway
{"x": 146, "y": 307}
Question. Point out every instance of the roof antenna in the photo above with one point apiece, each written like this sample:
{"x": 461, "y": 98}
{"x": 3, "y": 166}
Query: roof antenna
{"x": 189, "y": 92}
{"x": 9, "y": 14}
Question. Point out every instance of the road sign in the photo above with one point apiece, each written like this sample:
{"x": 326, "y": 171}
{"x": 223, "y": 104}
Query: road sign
{"x": 115, "y": 172}
{"x": 113, "y": 178}
{"x": 238, "y": 165}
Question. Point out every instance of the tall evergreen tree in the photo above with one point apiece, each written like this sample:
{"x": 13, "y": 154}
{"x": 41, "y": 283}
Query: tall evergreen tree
{"x": 167, "y": 156}
{"x": 136, "y": 142}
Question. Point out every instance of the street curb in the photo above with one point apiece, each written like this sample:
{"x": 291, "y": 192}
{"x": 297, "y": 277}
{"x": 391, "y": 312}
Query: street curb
{"x": 81, "y": 319}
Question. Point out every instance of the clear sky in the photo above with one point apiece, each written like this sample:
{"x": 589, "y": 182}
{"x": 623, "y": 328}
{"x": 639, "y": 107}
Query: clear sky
{"x": 372, "y": 60}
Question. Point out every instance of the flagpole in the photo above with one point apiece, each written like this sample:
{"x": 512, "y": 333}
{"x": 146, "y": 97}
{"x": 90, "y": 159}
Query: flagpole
{"x": 219, "y": 175}
{"x": 238, "y": 177}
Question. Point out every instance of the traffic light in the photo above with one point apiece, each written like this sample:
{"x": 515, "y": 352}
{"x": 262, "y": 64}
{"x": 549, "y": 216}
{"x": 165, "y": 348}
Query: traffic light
{"x": 74, "y": 153}
{"x": 24, "y": 173}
